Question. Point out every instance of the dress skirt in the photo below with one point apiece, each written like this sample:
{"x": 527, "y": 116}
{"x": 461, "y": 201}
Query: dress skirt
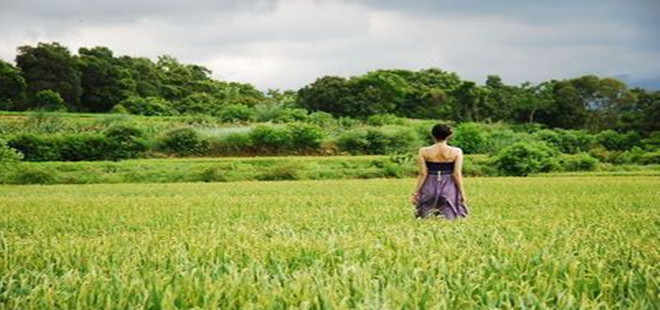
{"x": 440, "y": 197}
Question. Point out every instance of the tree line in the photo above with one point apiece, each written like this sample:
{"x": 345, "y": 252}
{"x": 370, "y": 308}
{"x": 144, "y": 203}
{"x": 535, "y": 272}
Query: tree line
{"x": 48, "y": 76}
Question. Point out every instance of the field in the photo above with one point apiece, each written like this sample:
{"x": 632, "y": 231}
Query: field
{"x": 560, "y": 242}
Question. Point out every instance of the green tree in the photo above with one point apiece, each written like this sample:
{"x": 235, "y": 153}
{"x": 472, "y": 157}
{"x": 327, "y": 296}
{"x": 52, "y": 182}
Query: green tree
{"x": 12, "y": 86}
{"x": 50, "y": 66}
{"x": 104, "y": 81}
{"x": 327, "y": 94}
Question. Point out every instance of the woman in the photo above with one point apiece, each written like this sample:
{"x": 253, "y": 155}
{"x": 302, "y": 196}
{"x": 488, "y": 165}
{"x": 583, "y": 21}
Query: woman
{"x": 439, "y": 190}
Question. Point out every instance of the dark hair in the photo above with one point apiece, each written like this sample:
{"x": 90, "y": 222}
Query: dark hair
{"x": 441, "y": 132}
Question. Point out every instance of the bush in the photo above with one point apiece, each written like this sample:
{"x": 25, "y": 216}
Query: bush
{"x": 615, "y": 141}
{"x": 279, "y": 173}
{"x": 271, "y": 139}
{"x": 78, "y": 147}
{"x": 236, "y": 113}
{"x": 184, "y": 141}
{"x": 150, "y": 106}
{"x": 320, "y": 118}
{"x": 353, "y": 141}
{"x": 288, "y": 115}
{"x": 213, "y": 174}
{"x": 48, "y": 100}
{"x": 523, "y": 158}
{"x": 9, "y": 154}
{"x": 34, "y": 175}
{"x": 650, "y": 158}
{"x": 197, "y": 103}
{"x": 305, "y": 136}
{"x": 578, "y": 162}
{"x": 232, "y": 144}
{"x": 36, "y": 148}
{"x": 566, "y": 141}
{"x": 379, "y": 140}
{"x": 385, "y": 119}
{"x": 471, "y": 138}
{"x": 499, "y": 139}
{"x": 126, "y": 142}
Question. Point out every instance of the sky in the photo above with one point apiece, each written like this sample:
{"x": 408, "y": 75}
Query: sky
{"x": 286, "y": 44}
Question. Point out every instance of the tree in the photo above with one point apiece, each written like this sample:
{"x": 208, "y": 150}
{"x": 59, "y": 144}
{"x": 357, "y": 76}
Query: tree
{"x": 377, "y": 92}
{"x": 327, "y": 94}
{"x": 50, "y": 66}
{"x": 469, "y": 102}
{"x": 12, "y": 86}
{"x": 105, "y": 83}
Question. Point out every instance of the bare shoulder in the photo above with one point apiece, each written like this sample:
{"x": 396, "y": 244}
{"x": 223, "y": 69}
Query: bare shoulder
{"x": 457, "y": 150}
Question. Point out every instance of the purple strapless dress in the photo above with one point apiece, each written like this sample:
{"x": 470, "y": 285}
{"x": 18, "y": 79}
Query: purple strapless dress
{"x": 439, "y": 195}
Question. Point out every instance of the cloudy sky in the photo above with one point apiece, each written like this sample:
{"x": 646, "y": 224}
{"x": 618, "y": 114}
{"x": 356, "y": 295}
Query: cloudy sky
{"x": 289, "y": 43}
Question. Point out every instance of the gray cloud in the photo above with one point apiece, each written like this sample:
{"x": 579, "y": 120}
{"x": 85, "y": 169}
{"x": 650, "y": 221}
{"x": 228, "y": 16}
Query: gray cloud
{"x": 288, "y": 43}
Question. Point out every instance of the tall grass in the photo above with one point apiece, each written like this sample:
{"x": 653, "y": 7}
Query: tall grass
{"x": 553, "y": 243}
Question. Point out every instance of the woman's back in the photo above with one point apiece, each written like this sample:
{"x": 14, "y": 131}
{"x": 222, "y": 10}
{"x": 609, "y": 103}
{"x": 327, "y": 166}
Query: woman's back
{"x": 440, "y": 154}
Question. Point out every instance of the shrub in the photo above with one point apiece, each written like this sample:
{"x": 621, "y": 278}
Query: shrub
{"x": 578, "y": 162}
{"x": 236, "y": 113}
{"x": 267, "y": 138}
{"x": 213, "y": 174}
{"x": 197, "y": 103}
{"x": 353, "y": 141}
{"x": 125, "y": 142}
{"x": 35, "y": 175}
{"x": 77, "y": 147}
{"x": 305, "y": 136}
{"x": 650, "y": 158}
{"x": 48, "y": 100}
{"x": 320, "y": 118}
{"x": 283, "y": 172}
{"x": 288, "y": 115}
{"x": 9, "y": 154}
{"x": 36, "y": 148}
{"x": 471, "y": 138}
{"x": 184, "y": 141}
{"x": 566, "y": 141}
{"x": 232, "y": 144}
{"x": 379, "y": 140}
{"x": 150, "y": 106}
{"x": 523, "y": 158}
{"x": 615, "y": 141}
{"x": 385, "y": 119}
{"x": 499, "y": 139}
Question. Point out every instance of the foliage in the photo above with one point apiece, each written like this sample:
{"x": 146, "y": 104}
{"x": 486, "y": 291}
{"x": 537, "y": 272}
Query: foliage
{"x": 48, "y": 100}
{"x": 9, "y": 154}
{"x": 523, "y": 158}
{"x": 149, "y": 106}
{"x": 184, "y": 141}
{"x": 126, "y": 141}
{"x": 578, "y": 162}
{"x": 236, "y": 113}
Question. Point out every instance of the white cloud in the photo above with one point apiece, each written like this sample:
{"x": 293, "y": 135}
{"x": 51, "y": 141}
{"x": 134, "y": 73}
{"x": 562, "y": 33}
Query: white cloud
{"x": 289, "y": 43}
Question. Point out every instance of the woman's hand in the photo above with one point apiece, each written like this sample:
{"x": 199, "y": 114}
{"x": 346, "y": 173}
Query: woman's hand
{"x": 414, "y": 198}
{"x": 464, "y": 199}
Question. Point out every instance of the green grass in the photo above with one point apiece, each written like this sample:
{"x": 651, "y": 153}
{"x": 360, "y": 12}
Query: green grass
{"x": 555, "y": 243}
{"x": 215, "y": 169}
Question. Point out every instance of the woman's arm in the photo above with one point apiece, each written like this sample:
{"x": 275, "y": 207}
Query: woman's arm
{"x": 458, "y": 174}
{"x": 420, "y": 177}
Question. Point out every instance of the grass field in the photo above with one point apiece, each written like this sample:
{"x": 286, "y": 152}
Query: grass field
{"x": 560, "y": 242}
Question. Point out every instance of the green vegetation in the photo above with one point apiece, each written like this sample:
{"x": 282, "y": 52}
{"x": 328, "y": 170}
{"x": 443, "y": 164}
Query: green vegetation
{"x": 49, "y": 77}
{"x": 530, "y": 243}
